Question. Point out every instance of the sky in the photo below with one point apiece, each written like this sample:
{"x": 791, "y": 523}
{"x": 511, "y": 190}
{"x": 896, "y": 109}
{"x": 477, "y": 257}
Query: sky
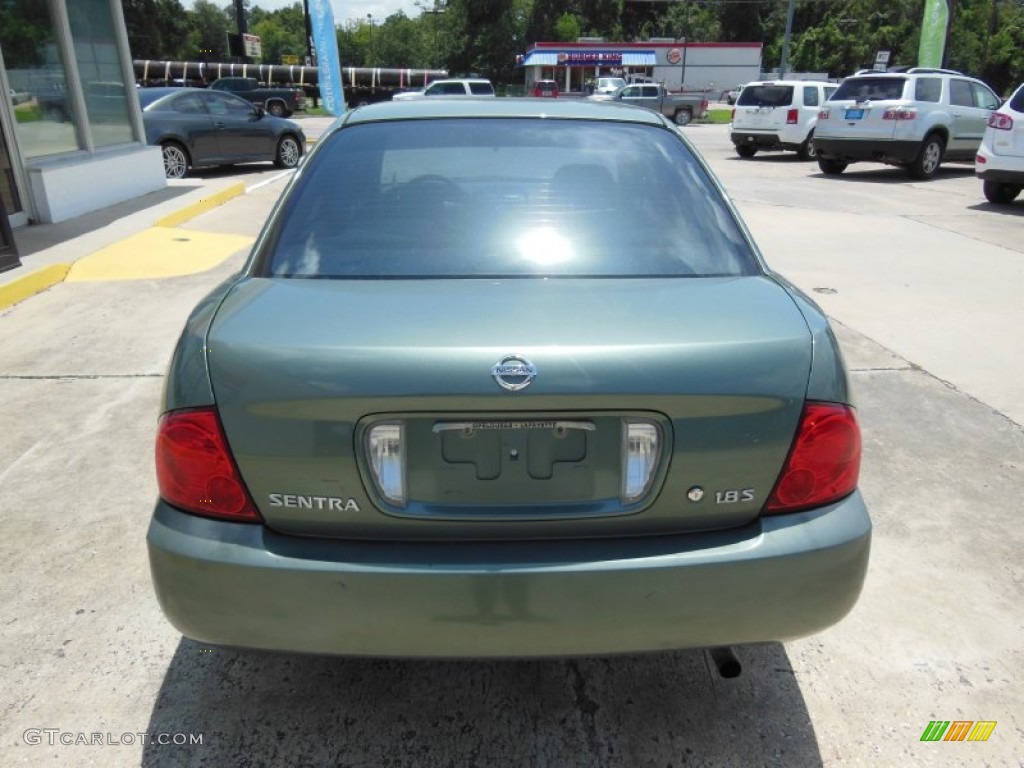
{"x": 353, "y": 9}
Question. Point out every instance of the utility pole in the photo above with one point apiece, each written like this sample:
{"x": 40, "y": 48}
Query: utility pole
{"x": 243, "y": 28}
{"x": 949, "y": 26}
{"x": 784, "y": 64}
{"x": 310, "y": 46}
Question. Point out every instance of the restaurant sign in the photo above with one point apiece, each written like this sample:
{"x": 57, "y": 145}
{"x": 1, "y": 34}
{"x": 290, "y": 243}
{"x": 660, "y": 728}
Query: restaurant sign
{"x": 609, "y": 58}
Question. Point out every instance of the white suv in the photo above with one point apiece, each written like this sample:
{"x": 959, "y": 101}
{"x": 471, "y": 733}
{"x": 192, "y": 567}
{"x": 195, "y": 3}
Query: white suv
{"x": 916, "y": 119}
{"x": 1000, "y": 160}
{"x": 778, "y": 114}
{"x": 472, "y": 88}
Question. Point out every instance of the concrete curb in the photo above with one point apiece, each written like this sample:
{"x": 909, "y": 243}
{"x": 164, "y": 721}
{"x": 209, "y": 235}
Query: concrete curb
{"x": 32, "y": 283}
{"x": 39, "y": 280}
{"x": 206, "y": 204}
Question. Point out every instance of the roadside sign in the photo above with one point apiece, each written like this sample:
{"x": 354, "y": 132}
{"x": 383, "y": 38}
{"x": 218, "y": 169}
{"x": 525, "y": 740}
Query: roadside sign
{"x": 253, "y": 46}
{"x": 289, "y": 58}
{"x": 882, "y": 59}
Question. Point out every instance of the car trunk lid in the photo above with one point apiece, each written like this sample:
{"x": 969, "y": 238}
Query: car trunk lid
{"x": 303, "y": 370}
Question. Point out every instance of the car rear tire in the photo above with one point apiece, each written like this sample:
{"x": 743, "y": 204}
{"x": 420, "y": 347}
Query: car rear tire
{"x": 277, "y": 109}
{"x": 831, "y": 167}
{"x": 176, "y": 160}
{"x": 807, "y": 150}
{"x": 683, "y": 117}
{"x": 926, "y": 164}
{"x": 288, "y": 152}
{"x": 1001, "y": 193}
{"x": 745, "y": 150}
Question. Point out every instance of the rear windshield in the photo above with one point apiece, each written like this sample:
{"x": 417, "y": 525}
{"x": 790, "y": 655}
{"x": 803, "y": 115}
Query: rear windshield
{"x": 503, "y": 198}
{"x": 870, "y": 89}
{"x": 1017, "y": 101}
{"x": 766, "y": 96}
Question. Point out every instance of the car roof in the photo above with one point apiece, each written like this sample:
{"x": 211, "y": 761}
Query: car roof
{"x": 573, "y": 109}
{"x": 787, "y": 82}
{"x": 149, "y": 96}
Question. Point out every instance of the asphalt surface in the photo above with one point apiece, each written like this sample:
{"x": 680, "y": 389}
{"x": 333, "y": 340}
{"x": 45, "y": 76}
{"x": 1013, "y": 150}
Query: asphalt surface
{"x": 923, "y": 281}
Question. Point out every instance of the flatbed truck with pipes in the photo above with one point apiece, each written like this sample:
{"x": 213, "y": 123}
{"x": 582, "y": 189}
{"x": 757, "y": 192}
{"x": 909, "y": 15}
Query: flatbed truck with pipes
{"x": 363, "y": 85}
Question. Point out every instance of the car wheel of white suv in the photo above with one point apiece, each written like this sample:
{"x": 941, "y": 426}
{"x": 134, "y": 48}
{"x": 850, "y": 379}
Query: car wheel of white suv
{"x": 807, "y": 150}
{"x": 927, "y": 162}
{"x": 831, "y": 167}
{"x": 1000, "y": 192}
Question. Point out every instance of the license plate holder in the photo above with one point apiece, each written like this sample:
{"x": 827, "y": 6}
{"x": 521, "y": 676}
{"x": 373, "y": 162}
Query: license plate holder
{"x": 854, "y": 114}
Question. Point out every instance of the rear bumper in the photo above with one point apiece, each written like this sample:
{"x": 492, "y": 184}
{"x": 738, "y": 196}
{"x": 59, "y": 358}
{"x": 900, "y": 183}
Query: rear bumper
{"x": 1008, "y": 169}
{"x": 768, "y": 140}
{"x": 244, "y": 585}
{"x": 1005, "y": 177}
{"x": 854, "y": 150}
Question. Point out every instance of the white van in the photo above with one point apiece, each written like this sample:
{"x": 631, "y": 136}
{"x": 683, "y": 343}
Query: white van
{"x": 778, "y": 114}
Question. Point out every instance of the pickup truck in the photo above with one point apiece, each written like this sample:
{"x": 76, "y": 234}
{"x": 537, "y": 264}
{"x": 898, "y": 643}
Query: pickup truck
{"x": 679, "y": 107}
{"x": 280, "y": 102}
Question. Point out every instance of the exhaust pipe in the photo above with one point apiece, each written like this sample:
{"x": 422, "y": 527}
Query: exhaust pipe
{"x": 726, "y": 663}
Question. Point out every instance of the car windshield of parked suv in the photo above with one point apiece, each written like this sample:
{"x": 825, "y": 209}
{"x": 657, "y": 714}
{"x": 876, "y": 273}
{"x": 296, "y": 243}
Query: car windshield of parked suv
{"x": 870, "y": 89}
{"x": 504, "y": 198}
{"x": 766, "y": 96}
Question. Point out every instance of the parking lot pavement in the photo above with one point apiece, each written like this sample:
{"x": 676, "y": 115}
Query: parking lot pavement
{"x": 927, "y": 269}
{"x": 85, "y": 650}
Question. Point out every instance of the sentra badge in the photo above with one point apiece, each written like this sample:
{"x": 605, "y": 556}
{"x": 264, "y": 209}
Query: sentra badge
{"x": 296, "y": 501}
{"x": 514, "y": 373}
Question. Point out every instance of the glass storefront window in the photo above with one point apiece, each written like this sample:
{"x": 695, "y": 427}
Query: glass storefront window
{"x": 35, "y": 70}
{"x": 99, "y": 66}
{"x": 8, "y": 189}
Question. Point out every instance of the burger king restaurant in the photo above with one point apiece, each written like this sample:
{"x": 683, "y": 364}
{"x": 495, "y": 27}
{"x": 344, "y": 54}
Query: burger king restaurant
{"x": 676, "y": 64}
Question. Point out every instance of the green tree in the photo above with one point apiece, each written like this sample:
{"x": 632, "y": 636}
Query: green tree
{"x": 567, "y": 28}
{"x": 157, "y": 29}
{"x": 24, "y": 34}
{"x": 281, "y": 32}
{"x": 209, "y": 27}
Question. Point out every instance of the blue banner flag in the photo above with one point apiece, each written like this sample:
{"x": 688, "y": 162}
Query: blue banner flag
{"x": 321, "y": 19}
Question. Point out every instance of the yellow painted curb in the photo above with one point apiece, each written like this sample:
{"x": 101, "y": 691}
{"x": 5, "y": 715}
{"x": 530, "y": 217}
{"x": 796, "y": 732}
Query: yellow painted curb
{"x": 204, "y": 205}
{"x": 32, "y": 283}
{"x": 158, "y": 252}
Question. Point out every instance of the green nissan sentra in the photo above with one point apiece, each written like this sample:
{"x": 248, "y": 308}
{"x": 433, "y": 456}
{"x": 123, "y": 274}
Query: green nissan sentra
{"x": 506, "y": 379}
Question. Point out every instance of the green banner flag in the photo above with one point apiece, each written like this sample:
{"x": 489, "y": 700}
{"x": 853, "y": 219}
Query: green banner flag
{"x": 933, "y": 33}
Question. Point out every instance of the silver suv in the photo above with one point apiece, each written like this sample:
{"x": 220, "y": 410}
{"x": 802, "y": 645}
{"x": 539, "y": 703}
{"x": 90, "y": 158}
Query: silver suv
{"x": 915, "y": 119}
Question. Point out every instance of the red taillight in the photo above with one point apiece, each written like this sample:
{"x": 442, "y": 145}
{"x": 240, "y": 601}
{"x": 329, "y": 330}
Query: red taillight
{"x": 1000, "y": 122}
{"x": 823, "y": 114}
{"x": 792, "y": 117}
{"x": 823, "y": 463}
{"x": 194, "y": 468}
{"x": 980, "y": 159}
{"x": 899, "y": 113}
